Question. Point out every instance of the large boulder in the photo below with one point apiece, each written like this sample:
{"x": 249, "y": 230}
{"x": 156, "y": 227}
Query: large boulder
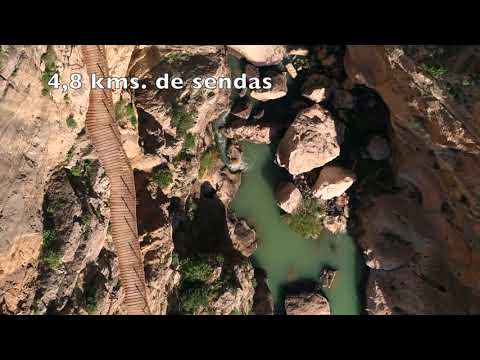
{"x": 307, "y": 304}
{"x": 260, "y": 55}
{"x": 255, "y": 132}
{"x": 333, "y": 181}
{"x": 310, "y": 142}
{"x": 289, "y": 198}
{"x": 279, "y": 89}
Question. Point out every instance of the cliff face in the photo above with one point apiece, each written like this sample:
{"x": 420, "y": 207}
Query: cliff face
{"x": 56, "y": 254}
{"x": 421, "y": 238}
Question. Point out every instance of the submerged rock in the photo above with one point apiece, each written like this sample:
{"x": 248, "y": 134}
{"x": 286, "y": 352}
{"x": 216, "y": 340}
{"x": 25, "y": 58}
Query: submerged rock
{"x": 234, "y": 155}
{"x": 307, "y": 304}
{"x": 260, "y": 55}
{"x": 333, "y": 181}
{"x": 289, "y": 198}
{"x": 279, "y": 89}
{"x": 317, "y": 88}
{"x": 327, "y": 278}
{"x": 310, "y": 142}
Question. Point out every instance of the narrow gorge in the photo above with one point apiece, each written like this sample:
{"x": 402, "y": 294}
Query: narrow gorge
{"x": 348, "y": 187}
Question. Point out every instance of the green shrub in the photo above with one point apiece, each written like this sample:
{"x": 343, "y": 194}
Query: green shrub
{"x": 194, "y": 298}
{"x": 52, "y": 258}
{"x": 131, "y": 115}
{"x": 85, "y": 169}
{"x": 189, "y": 142}
{"x": 90, "y": 298}
{"x": 207, "y": 162}
{"x": 196, "y": 269}
{"x": 87, "y": 220}
{"x": 181, "y": 120}
{"x": 163, "y": 177}
{"x": 49, "y": 237}
{"x": 71, "y": 123}
{"x": 125, "y": 112}
{"x": 48, "y": 58}
{"x": 70, "y": 154}
{"x": 307, "y": 221}
{"x": 176, "y": 57}
{"x": 434, "y": 71}
{"x": 77, "y": 170}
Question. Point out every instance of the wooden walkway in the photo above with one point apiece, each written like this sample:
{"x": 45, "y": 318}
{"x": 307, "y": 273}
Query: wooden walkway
{"x": 105, "y": 137}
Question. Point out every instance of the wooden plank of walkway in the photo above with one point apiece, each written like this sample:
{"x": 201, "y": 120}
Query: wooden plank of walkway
{"x": 105, "y": 137}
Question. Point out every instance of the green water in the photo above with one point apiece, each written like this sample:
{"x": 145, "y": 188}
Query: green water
{"x": 282, "y": 253}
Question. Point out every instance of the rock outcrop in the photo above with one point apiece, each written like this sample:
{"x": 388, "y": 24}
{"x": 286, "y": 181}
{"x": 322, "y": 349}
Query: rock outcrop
{"x": 289, "y": 198}
{"x": 311, "y": 141}
{"x": 263, "y": 300}
{"x": 333, "y": 181}
{"x": 335, "y": 224}
{"x": 307, "y": 304}
{"x": 255, "y": 132}
{"x": 242, "y": 236}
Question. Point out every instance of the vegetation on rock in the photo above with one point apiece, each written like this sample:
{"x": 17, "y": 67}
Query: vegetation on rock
{"x": 48, "y": 59}
{"x": 207, "y": 162}
{"x": 163, "y": 177}
{"x": 197, "y": 287}
{"x": 307, "y": 220}
{"x": 124, "y": 113}
{"x": 71, "y": 123}
{"x": 182, "y": 120}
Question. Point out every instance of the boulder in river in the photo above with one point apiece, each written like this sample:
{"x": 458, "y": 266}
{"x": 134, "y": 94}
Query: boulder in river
{"x": 255, "y": 132}
{"x": 261, "y": 55}
{"x": 333, "y": 181}
{"x": 279, "y": 88}
{"x": 289, "y": 198}
{"x": 317, "y": 88}
{"x": 311, "y": 141}
{"x": 307, "y": 304}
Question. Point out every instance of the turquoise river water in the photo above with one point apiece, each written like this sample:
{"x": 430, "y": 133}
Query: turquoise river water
{"x": 283, "y": 254}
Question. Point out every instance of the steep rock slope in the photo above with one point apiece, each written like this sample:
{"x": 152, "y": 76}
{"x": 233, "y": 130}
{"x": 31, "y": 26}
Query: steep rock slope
{"x": 421, "y": 239}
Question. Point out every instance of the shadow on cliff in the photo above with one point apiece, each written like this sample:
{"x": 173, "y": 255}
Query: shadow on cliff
{"x": 206, "y": 231}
